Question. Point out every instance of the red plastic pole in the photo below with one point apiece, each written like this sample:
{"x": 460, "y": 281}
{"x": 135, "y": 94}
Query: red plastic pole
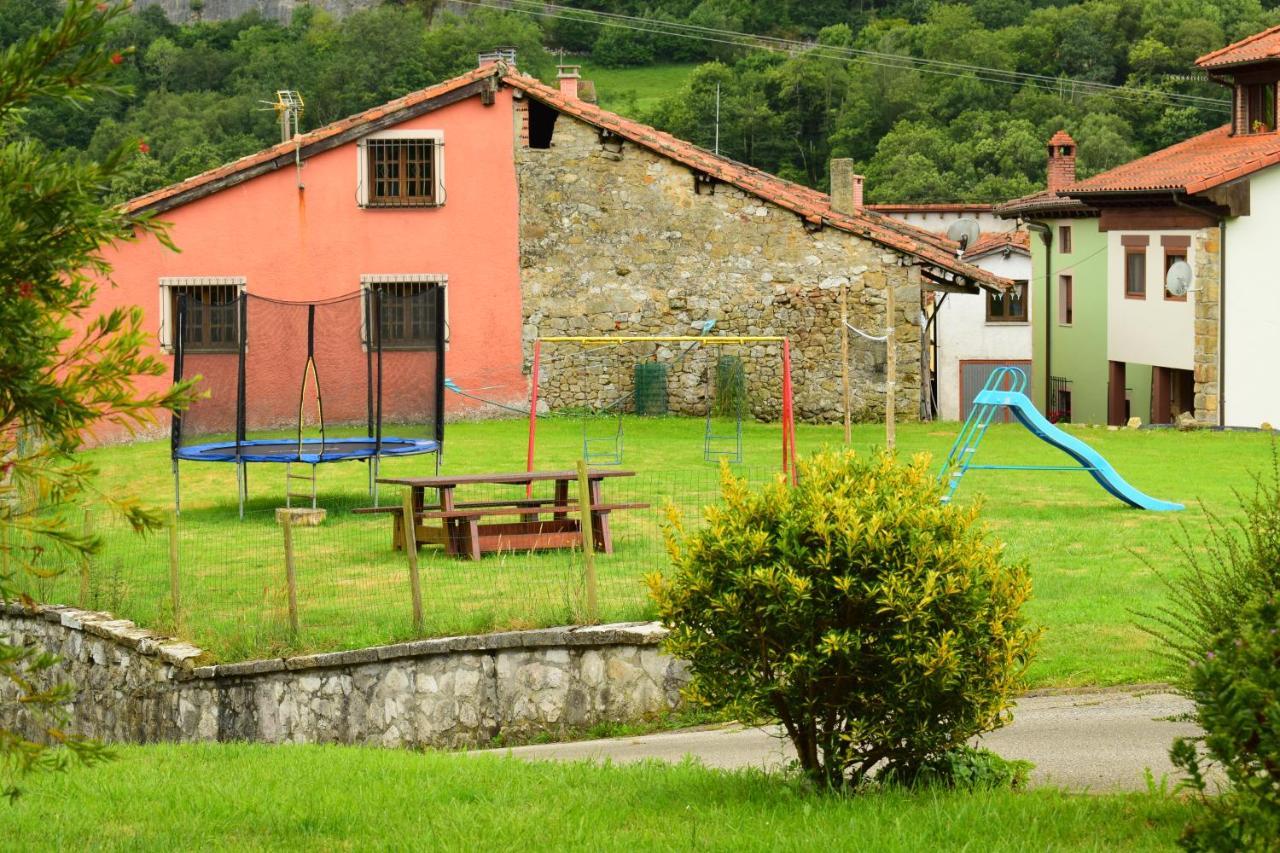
{"x": 533, "y": 412}
{"x": 788, "y": 424}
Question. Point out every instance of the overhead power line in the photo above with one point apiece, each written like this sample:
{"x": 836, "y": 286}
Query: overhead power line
{"x": 694, "y": 32}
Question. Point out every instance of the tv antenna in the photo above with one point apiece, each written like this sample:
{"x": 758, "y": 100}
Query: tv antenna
{"x": 1177, "y": 281}
{"x": 288, "y": 107}
{"x": 965, "y": 232}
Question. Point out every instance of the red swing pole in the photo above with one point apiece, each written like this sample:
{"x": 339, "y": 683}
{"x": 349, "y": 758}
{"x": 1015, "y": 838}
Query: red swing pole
{"x": 533, "y": 413}
{"x": 788, "y": 414}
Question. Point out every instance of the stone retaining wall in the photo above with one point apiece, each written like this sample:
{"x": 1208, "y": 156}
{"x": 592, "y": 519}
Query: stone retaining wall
{"x": 135, "y": 686}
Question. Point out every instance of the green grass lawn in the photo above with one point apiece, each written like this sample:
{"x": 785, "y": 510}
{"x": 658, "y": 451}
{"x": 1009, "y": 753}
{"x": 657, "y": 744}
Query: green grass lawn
{"x": 1090, "y": 555}
{"x": 324, "y": 798}
{"x": 633, "y": 91}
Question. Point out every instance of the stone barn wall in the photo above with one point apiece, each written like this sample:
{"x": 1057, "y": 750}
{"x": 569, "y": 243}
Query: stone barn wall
{"x": 135, "y": 686}
{"x": 622, "y": 242}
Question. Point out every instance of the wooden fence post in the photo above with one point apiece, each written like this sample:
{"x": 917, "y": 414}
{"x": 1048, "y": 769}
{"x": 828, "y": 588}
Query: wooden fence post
{"x": 410, "y": 527}
{"x": 175, "y": 597}
{"x": 85, "y": 561}
{"x": 290, "y": 576}
{"x": 890, "y": 369}
{"x": 588, "y": 541}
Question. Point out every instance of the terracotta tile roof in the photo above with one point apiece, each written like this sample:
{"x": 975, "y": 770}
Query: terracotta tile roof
{"x": 997, "y": 241}
{"x": 1258, "y": 47}
{"x": 1043, "y": 203}
{"x": 319, "y": 135}
{"x": 932, "y": 207}
{"x": 810, "y": 204}
{"x": 1191, "y": 166}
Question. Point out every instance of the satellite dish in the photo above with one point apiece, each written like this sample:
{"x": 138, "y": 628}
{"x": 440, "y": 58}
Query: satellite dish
{"x": 1177, "y": 281}
{"x": 965, "y": 232}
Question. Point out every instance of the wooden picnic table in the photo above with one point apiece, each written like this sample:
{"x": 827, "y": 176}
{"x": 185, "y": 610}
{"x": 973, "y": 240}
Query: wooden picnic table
{"x": 462, "y": 534}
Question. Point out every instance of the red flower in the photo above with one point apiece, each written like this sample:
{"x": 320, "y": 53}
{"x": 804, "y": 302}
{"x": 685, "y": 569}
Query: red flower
{"x": 116, "y": 58}
{"x": 101, "y": 7}
{"x": 25, "y": 289}
{"x": 144, "y": 148}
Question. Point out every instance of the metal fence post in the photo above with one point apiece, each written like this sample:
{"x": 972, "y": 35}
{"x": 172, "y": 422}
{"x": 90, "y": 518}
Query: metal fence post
{"x": 175, "y": 597}
{"x": 588, "y": 540}
{"x": 411, "y": 549}
{"x": 291, "y": 577}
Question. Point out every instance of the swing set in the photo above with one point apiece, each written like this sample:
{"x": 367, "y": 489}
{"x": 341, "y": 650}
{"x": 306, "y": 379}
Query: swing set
{"x": 722, "y": 432}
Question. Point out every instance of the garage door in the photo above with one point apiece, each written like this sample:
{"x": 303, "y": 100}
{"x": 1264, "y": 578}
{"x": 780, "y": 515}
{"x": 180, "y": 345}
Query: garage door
{"x": 974, "y": 374}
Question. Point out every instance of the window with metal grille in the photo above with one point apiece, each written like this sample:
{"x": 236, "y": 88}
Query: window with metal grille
{"x": 210, "y": 319}
{"x": 401, "y": 172}
{"x": 408, "y": 315}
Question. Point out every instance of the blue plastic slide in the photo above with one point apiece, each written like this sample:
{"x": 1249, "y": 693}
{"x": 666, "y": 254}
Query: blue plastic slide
{"x": 991, "y": 399}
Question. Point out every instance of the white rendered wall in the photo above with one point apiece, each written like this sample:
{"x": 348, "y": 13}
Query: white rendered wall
{"x": 964, "y": 333}
{"x": 1154, "y": 330}
{"x": 1251, "y": 293}
{"x": 938, "y": 220}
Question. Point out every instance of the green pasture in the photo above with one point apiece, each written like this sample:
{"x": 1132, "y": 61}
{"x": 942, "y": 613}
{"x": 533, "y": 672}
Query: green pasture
{"x": 258, "y": 797}
{"x": 633, "y": 91}
{"x": 1093, "y": 560}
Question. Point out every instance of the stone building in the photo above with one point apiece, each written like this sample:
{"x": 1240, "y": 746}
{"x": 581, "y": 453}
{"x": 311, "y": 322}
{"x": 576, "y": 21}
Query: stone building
{"x": 538, "y": 214}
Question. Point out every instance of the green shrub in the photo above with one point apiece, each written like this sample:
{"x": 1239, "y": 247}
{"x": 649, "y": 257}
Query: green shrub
{"x": 1236, "y": 688}
{"x": 1221, "y": 624}
{"x": 877, "y": 624}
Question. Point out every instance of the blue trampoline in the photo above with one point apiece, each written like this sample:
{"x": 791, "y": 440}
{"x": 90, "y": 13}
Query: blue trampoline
{"x": 261, "y": 361}
{"x": 311, "y": 451}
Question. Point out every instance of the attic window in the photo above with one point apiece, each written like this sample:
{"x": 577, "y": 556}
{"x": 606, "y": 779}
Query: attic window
{"x": 1260, "y": 107}
{"x": 542, "y": 124}
{"x": 402, "y": 168}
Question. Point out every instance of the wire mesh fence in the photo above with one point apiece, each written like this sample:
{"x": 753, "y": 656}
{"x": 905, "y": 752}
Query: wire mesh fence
{"x": 224, "y": 583}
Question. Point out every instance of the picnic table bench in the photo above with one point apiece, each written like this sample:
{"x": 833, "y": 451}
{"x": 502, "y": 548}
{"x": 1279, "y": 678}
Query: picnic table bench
{"x": 524, "y": 524}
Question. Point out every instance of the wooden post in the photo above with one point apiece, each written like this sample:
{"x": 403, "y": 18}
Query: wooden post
{"x": 290, "y": 576}
{"x": 175, "y": 597}
{"x": 844, "y": 360}
{"x": 588, "y": 540}
{"x": 410, "y": 527}
{"x": 86, "y": 561}
{"x": 890, "y": 367}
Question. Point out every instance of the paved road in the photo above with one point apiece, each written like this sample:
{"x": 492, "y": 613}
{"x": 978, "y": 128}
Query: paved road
{"x": 1099, "y": 741}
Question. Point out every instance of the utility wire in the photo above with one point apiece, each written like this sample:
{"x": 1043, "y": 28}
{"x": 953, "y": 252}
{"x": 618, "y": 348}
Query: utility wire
{"x": 671, "y": 29}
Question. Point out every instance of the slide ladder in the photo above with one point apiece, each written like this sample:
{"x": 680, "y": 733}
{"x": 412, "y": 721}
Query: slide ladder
{"x": 993, "y": 398}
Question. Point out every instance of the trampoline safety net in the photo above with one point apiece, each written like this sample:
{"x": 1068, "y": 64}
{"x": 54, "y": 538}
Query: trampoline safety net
{"x": 353, "y": 376}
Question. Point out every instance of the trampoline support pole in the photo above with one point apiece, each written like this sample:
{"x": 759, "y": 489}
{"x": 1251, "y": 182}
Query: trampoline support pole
{"x": 242, "y": 487}
{"x": 177, "y": 488}
{"x": 373, "y": 478}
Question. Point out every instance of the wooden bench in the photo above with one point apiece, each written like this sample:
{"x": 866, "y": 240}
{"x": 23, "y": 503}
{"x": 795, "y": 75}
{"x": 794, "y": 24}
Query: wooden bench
{"x": 472, "y": 538}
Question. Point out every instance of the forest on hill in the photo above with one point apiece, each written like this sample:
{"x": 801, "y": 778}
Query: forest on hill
{"x": 936, "y": 101}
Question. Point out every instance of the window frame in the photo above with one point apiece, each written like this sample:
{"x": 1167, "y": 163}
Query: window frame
{"x": 1064, "y": 240}
{"x": 1175, "y": 248}
{"x": 369, "y": 282}
{"x": 1066, "y": 299}
{"x": 1260, "y": 106}
{"x": 1005, "y": 319}
{"x": 364, "y": 165}
{"x": 1139, "y": 252}
{"x": 169, "y": 287}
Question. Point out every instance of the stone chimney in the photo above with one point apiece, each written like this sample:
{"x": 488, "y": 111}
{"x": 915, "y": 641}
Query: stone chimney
{"x": 569, "y": 76}
{"x": 846, "y": 187}
{"x": 1062, "y": 161}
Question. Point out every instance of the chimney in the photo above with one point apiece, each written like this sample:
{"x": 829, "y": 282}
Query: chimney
{"x": 846, "y": 187}
{"x": 569, "y": 75}
{"x": 1062, "y": 161}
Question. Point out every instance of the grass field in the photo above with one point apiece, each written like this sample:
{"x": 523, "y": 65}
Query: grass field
{"x": 1090, "y": 555}
{"x": 338, "y": 798}
{"x": 632, "y": 91}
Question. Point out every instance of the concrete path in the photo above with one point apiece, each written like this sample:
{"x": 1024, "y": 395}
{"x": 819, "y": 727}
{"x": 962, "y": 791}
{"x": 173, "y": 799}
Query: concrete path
{"x": 1100, "y": 741}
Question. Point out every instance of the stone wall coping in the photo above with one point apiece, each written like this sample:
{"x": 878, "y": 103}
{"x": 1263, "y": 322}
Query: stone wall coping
{"x": 189, "y": 661}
